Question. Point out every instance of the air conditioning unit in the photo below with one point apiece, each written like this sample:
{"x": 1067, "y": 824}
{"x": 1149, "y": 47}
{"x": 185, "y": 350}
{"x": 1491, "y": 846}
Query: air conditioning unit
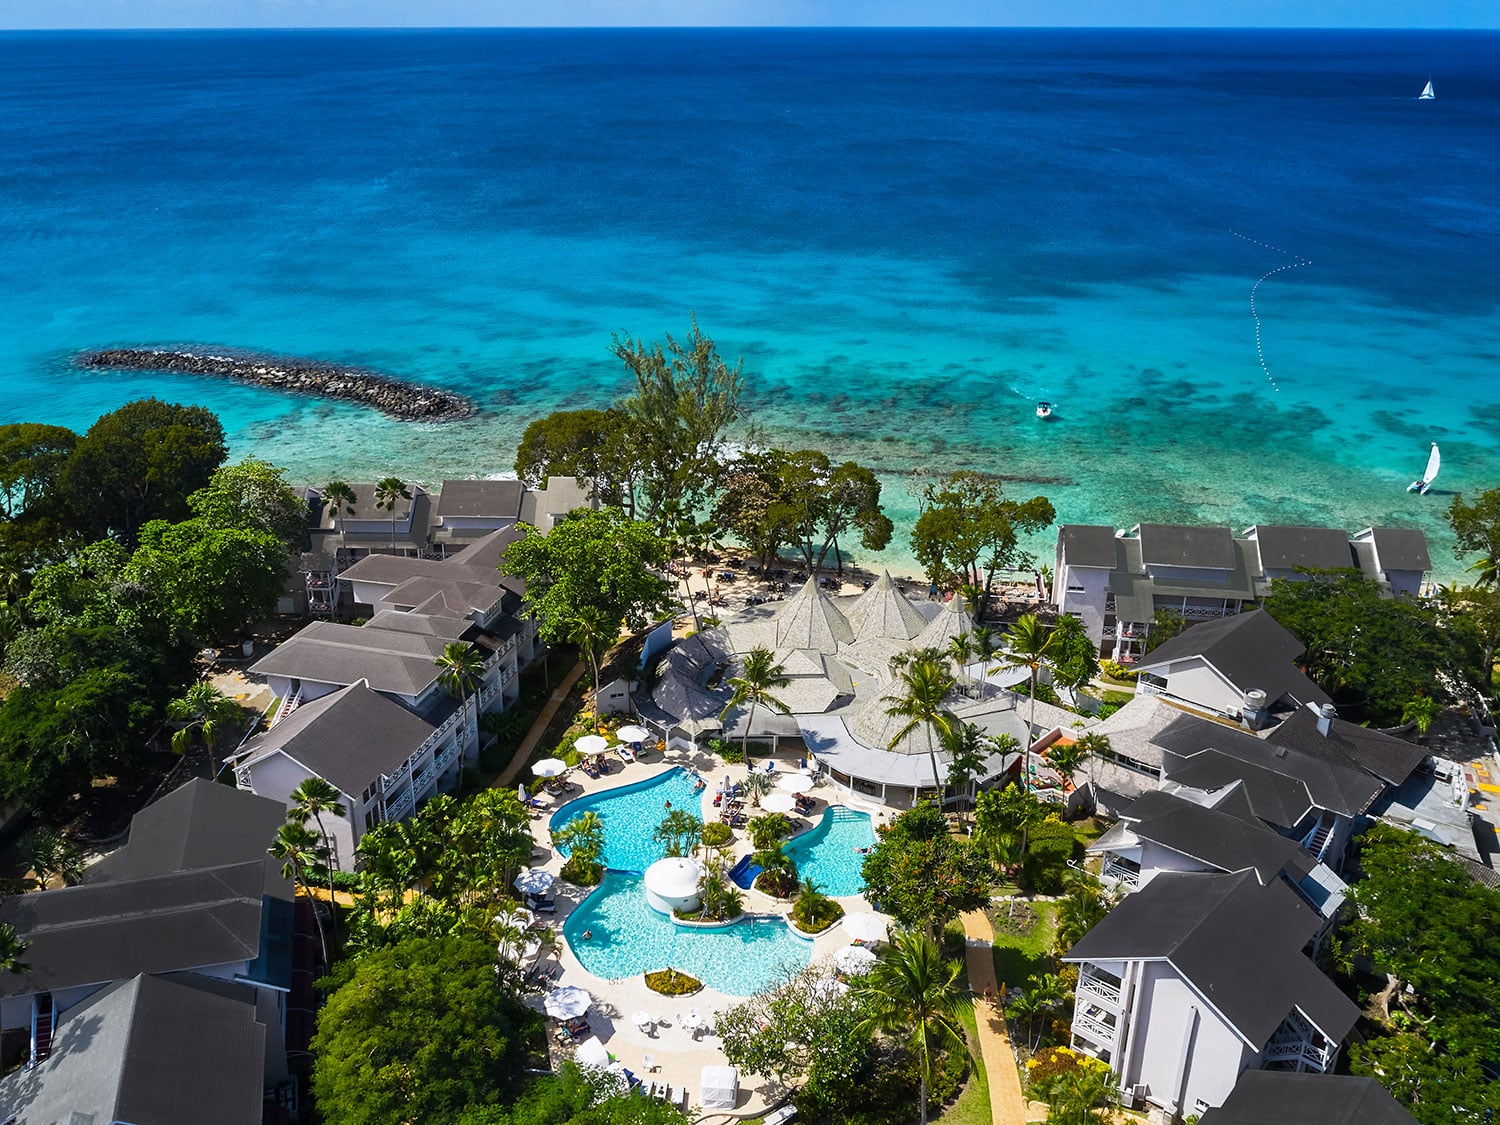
{"x": 1136, "y": 1095}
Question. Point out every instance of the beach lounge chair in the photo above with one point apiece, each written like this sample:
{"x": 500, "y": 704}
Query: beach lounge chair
{"x": 626, "y": 754}
{"x": 781, "y": 1116}
{"x": 770, "y": 766}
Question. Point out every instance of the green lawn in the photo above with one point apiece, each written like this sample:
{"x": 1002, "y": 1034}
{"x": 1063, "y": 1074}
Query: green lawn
{"x": 972, "y": 1106}
{"x": 1018, "y": 956}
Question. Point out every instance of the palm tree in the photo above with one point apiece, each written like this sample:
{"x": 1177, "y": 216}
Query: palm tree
{"x": 913, "y": 990}
{"x": 11, "y": 949}
{"x": 925, "y": 684}
{"x": 968, "y": 748}
{"x": 982, "y": 640}
{"x": 959, "y": 650}
{"x": 341, "y": 500}
{"x": 310, "y": 800}
{"x": 296, "y": 845}
{"x": 206, "y": 712}
{"x": 1066, "y": 758}
{"x": 758, "y": 676}
{"x": 1079, "y": 911}
{"x": 461, "y": 669}
{"x": 387, "y": 492}
{"x": 1028, "y": 645}
{"x": 51, "y": 855}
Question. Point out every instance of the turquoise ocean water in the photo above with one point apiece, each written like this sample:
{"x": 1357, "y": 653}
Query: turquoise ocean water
{"x": 910, "y": 236}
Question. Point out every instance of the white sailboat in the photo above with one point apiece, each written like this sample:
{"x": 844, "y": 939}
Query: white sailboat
{"x": 1428, "y": 93}
{"x": 1434, "y": 462}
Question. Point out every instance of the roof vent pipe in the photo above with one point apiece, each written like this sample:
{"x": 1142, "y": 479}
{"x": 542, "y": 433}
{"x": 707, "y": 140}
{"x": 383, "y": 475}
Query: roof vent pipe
{"x": 1254, "y": 710}
{"x": 1326, "y": 714}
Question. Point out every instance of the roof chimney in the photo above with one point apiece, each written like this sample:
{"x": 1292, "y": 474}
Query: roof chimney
{"x": 1326, "y": 714}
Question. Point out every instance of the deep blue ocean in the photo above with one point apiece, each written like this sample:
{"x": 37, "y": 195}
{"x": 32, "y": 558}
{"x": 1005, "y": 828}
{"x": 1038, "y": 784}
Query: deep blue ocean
{"x": 910, "y": 236}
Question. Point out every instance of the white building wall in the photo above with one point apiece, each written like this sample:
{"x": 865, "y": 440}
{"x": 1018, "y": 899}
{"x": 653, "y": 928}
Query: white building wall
{"x": 1155, "y": 859}
{"x": 369, "y": 593}
{"x": 276, "y": 776}
{"x": 477, "y": 523}
{"x": 1194, "y": 681}
{"x": 1084, "y": 592}
{"x": 1183, "y": 1051}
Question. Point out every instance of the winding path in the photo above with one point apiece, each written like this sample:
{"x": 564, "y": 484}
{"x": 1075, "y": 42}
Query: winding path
{"x": 534, "y": 735}
{"x": 1007, "y": 1103}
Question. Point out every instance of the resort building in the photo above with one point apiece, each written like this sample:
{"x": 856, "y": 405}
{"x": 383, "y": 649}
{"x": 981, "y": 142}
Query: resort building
{"x": 1271, "y": 1097}
{"x": 173, "y": 984}
{"x": 1199, "y": 977}
{"x": 838, "y": 655}
{"x": 1117, "y": 581}
{"x": 365, "y": 707}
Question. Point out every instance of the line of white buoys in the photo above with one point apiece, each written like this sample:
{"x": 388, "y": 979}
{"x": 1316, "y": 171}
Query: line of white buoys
{"x": 1297, "y": 262}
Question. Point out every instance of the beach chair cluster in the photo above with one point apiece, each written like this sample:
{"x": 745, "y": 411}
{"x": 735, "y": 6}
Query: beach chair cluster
{"x": 731, "y": 807}
{"x": 574, "y": 1030}
{"x": 665, "y": 1092}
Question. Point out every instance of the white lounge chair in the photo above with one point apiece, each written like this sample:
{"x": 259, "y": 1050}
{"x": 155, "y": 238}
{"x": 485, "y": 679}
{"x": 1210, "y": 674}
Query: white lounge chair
{"x": 781, "y": 1116}
{"x": 648, "y": 1063}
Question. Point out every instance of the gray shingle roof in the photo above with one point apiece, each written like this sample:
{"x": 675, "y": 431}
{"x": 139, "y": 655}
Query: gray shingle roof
{"x": 953, "y": 621}
{"x": 429, "y": 624}
{"x": 1329, "y": 785}
{"x": 1400, "y": 548}
{"x": 348, "y": 737}
{"x": 452, "y": 594}
{"x": 1346, "y": 744}
{"x": 1268, "y": 1097}
{"x": 149, "y": 1051}
{"x": 110, "y": 931}
{"x": 199, "y": 824}
{"x": 809, "y": 619}
{"x": 1238, "y": 942}
{"x": 329, "y": 653}
{"x": 1250, "y": 650}
{"x": 884, "y": 611}
{"x": 1088, "y": 545}
{"x": 1286, "y": 548}
{"x": 1208, "y": 548}
{"x": 481, "y": 499}
{"x": 365, "y": 507}
{"x": 1215, "y": 836}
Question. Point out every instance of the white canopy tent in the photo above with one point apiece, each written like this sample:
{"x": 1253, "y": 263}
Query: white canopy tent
{"x": 719, "y": 1087}
{"x": 865, "y": 927}
{"x": 592, "y": 1053}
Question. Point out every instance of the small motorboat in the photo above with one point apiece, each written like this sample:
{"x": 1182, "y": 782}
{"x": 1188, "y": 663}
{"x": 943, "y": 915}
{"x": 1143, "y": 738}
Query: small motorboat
{"x": 1434, "y": 462}
{"x": 1044, "y": 410}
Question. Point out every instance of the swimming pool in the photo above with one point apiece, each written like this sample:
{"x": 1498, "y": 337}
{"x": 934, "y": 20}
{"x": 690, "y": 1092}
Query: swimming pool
{"x": 627, "y": 938}
{"x": 631, "y": 813}
{"x": 829, "y": 853}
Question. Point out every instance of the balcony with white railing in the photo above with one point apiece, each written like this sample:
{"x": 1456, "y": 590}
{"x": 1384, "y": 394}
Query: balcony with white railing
{"x": 1095, "y": 985}
{"x": 1302, "y": 1056}
{"x": 1093, "y": 1028}
{"x": 395, "y": 810}
{"x": 1120, "y": 870}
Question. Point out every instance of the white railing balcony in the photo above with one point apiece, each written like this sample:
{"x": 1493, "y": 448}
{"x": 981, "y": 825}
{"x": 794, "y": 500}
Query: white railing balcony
{"x": 1098, "y": 988}
{"x": 1114, "y": 869}
{"x": 1097, "y": 1030}
{"x": 395, "y": 810}
{"x": 421, "y": 778}
{"x": 1316, "y": 1058}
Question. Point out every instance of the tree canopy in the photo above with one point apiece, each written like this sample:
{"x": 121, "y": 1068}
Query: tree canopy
{"x": 252, "y": 495}
{"x": 591, "y": 576}
{"x": 1476, "y": 526}
{"x": 968, "y": 531}
{"x": 921, "y": 875}
{"x": 576, "y": 1097}
{"x": 418, "y": 1031}
{"x": 597, "y": 446}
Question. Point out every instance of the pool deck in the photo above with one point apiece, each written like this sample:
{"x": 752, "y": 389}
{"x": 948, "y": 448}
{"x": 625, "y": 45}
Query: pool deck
{"x": 678, "y": 1057}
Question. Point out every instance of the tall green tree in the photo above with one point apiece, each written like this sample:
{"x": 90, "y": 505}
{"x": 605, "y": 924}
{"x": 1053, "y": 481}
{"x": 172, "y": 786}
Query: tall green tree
{"x": 1476, "y": 526}
{"x": 1075, "y": 656}
{"x": 923, "y": 876}
{"x": 1031, "y": 645}
{"x": 922, "y": 690}
{"x": 299, "y": 849}
{"x": 313, "y": 799}
{"x": 461, "y": 669}
{"x": 216, "y": 580}
{"x": 597, "y": 446}
{"x": 583, "y": 840}
{"x": 759, "y": 676}
{"x": 32, "y": 457}
{"x": 203, "y": 712}
{"x": 969, "y": 748}
{"x": 679, "y": 832}
{"x": 913, "y": 991}
{"x": 418, "y": 1031}
{"x": 140, "y": 463}
{"x": 1002, "y": 820}
{"x": 591, "y": 576}
{"x": 389, "y": 492}
{"x": 51, "y": 855}
{"x": 685, "y": 400}
{"x": 252, "y": 495}
{"x": 968, "y": 531}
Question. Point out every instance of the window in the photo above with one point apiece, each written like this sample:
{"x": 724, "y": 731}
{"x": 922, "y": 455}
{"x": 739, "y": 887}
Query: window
{"x": 1076, "y": 590}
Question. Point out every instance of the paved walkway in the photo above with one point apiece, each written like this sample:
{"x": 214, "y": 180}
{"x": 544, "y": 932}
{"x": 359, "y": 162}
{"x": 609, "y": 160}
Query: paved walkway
{"x": 507, "y": 776}
{"x": 1007, "y": 1103}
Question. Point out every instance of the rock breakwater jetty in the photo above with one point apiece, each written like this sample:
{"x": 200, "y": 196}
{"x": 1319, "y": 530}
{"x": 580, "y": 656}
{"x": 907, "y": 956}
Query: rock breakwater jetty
{"x": 396, "y": 398}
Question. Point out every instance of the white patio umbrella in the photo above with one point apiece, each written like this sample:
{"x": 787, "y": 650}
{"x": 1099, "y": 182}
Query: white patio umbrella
{"x": 549, "y": 767}
{"x": 854, "y": 960}
{"x": 632, "y": 733}
{"x": 535, "y": 881}
{"x": 794, "y": 783}
{"x": 591, "y": 744}
{"x": 865, "y": 927}
{"x": 778, "y": 802}
{"x": 567, "y": 1003}
{"x": 643, "y": 1020}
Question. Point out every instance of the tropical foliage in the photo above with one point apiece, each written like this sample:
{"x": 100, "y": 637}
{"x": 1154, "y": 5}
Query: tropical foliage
{"x": 968, "y": 531}
{"x": 921, "y": 690}
{"x": 760, "y": 674}
{"x": 923, "y": 876}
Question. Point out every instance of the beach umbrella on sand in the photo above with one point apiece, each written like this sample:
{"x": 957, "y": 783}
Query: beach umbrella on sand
{"x": 591, "y": 744}
{"x": 778, "y": 802}
{"x": 535, "y": 881}
{"x": 632, "y": 734}
{"x": 794, "y": 783}
{"x": 567, "y": 1003}
{"x": 865, "y": 927}
{"x": 854, "y": 960}
{"x": 549, "y": 767}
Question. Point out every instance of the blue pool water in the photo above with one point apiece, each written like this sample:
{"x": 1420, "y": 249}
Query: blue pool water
{"x": 631, "y": 814}
{"x": 628, "y": 938}
{"x": 829, "y": 854}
